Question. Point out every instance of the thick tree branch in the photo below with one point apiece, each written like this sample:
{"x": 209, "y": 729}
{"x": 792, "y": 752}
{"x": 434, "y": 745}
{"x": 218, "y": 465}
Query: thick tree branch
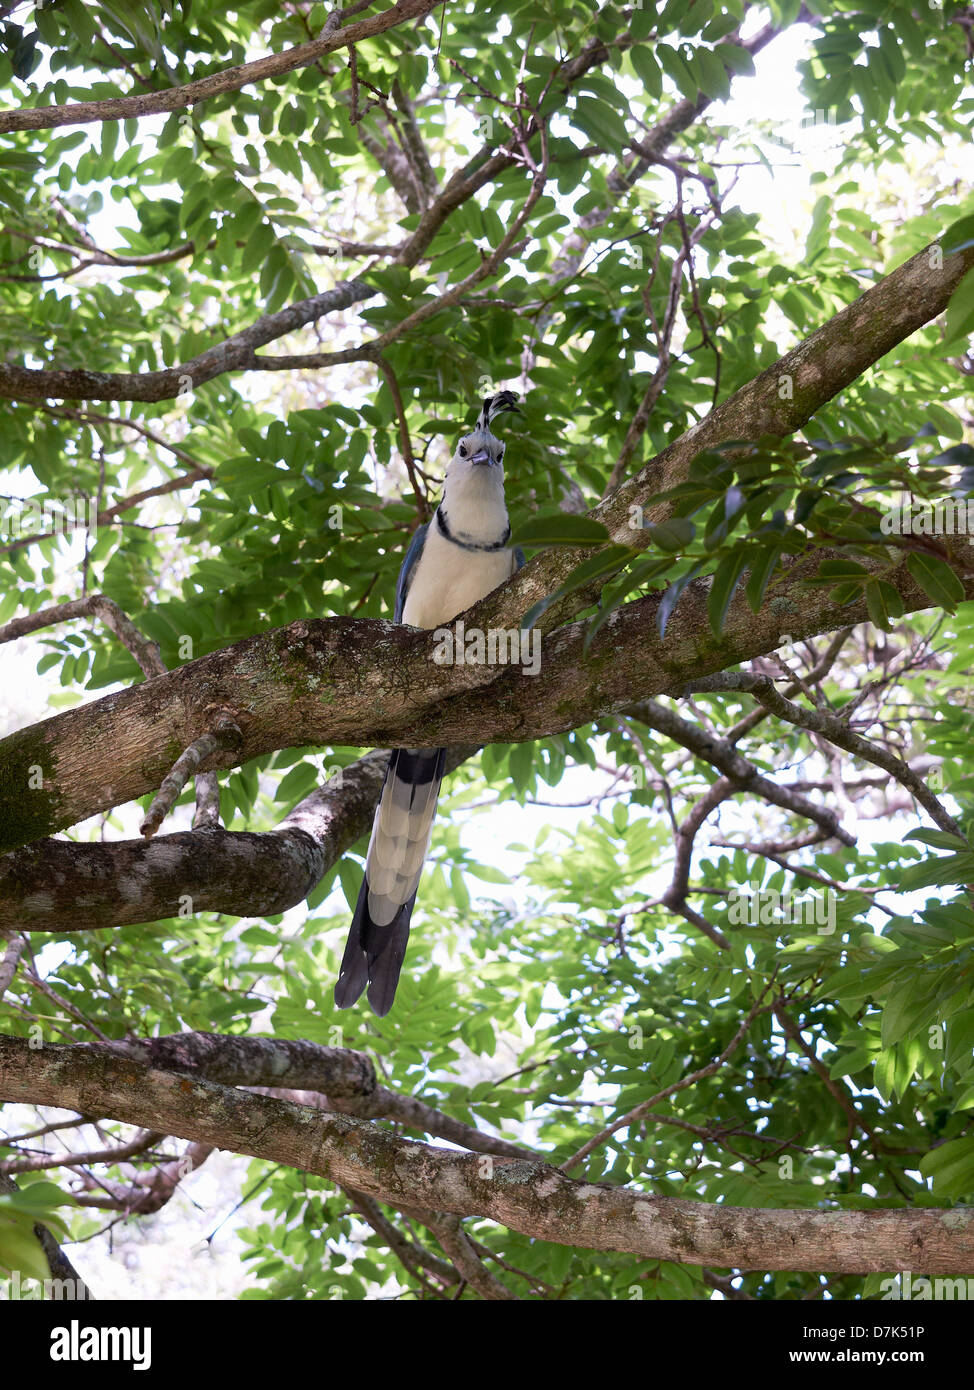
{"x": 343, "y": 1081}
{"x": 63, "y": 885}
{"x": 347, "y": 681}
{"x": 779, "y": 401}
{"x": 525, "y": 1196}
{"x": 364, "y": 682}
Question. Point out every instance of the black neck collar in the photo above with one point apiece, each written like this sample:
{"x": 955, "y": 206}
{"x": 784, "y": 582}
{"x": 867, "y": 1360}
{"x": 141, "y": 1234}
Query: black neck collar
{"x": 469, "y": 544}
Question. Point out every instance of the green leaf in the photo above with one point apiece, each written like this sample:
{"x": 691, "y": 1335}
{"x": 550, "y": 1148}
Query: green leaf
{"x": 677, "y": 70}
{"x": 486, "y": 872}
{"x": 603, "y": 125}
{"x": 298, "y": 783}
{"x": 674, "y": 535}
{"x": 711, "y": 73}
{"x": 350, "y": 876}
{"x": 672, "y": 597}
{"x": 905, "y": 1013}
{"x": 736, "y": 57}
{"x": 935, "y": 577}
{"x": 643, "y": 572}
{"x": 940, "y": 839}
{"x": 761, "y": 570}
{"x": 842, "y": 569}
{"x": 607, "y": 561}
{"x": 951, "y": 1167}
{"x": 939, "y": 872}
{"x": 561, "y": 528}
{"x": 883, "y": 603}
{"x": 725, "y": 582}
{"x": 960, "y": 310}
{"x": 647, "y": 70}
{"x": 959, "y": 236}
{"x": 20, "y": 1249}
{"x": 846, "y": 593}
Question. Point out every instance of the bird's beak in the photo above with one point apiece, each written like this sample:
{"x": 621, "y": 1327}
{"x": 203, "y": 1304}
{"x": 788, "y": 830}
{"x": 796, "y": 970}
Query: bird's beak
{"x": 482, "y": 456}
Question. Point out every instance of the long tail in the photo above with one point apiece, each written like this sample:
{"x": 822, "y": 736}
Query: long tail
{"x": 401, "y": 833}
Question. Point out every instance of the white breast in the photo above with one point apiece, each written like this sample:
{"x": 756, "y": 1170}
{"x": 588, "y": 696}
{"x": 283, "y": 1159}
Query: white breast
{"x": 448, "y": 579}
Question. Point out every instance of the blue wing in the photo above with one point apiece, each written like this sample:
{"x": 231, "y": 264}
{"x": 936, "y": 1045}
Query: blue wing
{"x": 406, "y": 572}
{"x": 519, "y": 560}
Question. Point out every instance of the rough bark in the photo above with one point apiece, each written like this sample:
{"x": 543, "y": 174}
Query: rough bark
{"x": 817, "y": 369}
{"x": 334, "y": 1079}
{"x": 68, "y": 886}
{"x": 365, "y": 682}
{"x": 524, "y": 1195}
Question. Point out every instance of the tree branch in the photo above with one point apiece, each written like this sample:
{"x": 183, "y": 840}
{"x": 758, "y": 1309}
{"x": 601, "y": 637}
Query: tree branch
{"x": 217, "y": 83}
{"x": 364, "y": 682}
{"x": 343, "y": 1082}
{"x": 235, "y": 872}
{"x": 234, "y": 353}
{"x": 525, "y": 1196}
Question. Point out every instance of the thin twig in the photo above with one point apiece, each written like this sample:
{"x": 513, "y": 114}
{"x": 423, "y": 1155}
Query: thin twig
{"x": 224, "y": 734}
{"x": 640, "y": 1110}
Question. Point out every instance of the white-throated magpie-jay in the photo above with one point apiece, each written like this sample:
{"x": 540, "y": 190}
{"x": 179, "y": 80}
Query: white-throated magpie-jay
{"x": 457, "y": 559}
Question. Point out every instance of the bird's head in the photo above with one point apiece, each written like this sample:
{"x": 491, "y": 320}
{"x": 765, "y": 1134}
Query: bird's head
{"x": 480, "y": 448}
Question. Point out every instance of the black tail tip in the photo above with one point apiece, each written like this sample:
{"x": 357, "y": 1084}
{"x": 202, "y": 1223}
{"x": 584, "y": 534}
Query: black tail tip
{"x": 374, "y": 954}
{"x": 381, "y": 989}
{"x": 348, "y": 990}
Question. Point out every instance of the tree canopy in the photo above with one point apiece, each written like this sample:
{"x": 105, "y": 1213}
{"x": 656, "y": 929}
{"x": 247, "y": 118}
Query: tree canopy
{"x": 710, "y": 1035}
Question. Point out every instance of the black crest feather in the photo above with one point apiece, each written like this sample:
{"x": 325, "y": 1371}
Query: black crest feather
{"x": 494, "y": 406}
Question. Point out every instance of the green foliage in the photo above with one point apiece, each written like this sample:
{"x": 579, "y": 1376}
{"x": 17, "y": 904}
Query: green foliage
{"x": 36, "y": 1203}
{"x": 548, "y": 989}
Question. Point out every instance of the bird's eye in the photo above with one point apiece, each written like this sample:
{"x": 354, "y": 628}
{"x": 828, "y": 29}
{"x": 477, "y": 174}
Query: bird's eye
{"x": 462, "y": 451}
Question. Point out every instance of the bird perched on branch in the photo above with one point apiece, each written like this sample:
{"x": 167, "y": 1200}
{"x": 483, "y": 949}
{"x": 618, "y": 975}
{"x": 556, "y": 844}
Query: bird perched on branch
{"x": 455, "y": 560}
